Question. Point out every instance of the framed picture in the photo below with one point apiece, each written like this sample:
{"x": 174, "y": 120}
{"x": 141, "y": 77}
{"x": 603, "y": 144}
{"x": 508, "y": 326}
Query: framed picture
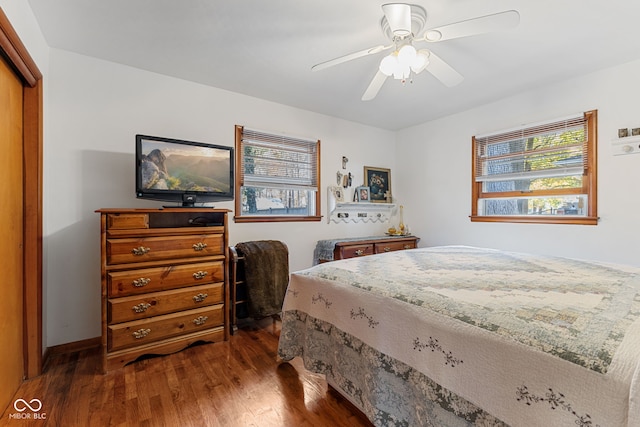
{"x": 363, "y": 194}
{"x": 338, "y": 193}
{"x": 379, "y": 182}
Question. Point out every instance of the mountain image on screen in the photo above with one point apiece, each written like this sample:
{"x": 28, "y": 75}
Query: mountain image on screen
{"x": 184, "y": 172}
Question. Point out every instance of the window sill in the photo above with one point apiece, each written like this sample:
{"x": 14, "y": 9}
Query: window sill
{"x": 580, "y": 220}
{"x": 240, "y": 219}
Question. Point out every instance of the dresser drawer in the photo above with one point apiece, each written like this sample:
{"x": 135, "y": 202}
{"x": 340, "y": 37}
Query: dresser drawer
{"x": 144, "y": 280}
{"x": 164, "y": 302}
{"x": 353, "y": 251}
{"x": 127, "y": 221}
{"x": 123, "y": 251}
{"x": 383, "y": 247}
{"x": 139, "y": 332}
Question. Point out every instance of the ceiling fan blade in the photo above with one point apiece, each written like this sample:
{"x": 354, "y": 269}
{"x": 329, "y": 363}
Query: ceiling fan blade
{"x": 350, "y": 57}
{"x": 399, "y": 18}
{"x": 374, "y": 86}
{"x": 443, "y": 71}
{"x": 484, "y": 24}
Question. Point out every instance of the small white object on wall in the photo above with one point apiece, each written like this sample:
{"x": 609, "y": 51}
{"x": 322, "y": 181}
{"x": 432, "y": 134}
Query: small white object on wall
{"x": 628, "y": 145}
{"x": 340, "y": 211}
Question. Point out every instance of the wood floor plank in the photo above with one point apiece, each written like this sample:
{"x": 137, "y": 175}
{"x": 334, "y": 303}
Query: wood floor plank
{"x": 234, "y": 383}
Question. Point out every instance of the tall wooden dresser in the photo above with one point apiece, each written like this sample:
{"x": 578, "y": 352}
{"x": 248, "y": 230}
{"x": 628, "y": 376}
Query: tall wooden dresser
{"x": 164, "y": 281}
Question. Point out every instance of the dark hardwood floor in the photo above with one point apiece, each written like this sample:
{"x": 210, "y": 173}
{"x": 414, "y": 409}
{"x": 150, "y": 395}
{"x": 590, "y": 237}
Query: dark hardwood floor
{"x": 235, "y": 383}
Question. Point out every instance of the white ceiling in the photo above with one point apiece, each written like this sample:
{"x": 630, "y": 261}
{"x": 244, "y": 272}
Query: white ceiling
{"x": 266, "y": 49}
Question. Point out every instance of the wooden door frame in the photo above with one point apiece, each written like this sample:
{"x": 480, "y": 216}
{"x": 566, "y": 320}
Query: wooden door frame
{"x": 16, "y": 55}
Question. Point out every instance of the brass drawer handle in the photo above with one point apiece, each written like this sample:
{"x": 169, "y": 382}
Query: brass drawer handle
{"x": 199, "y": 275}
{"x": 140, "y": 251}
{"x": 143, "y": 281}
{"x": 359, "y": 252}
{"x": 200, "y": 297}
{"x": 387, "y": 249}
{"x": 141, "y": 308}
{"x": 141, "y": 333}
{"x": 200, "y": 320}
{"x": 407, "y": 246}
{"x": 199, "y": 246}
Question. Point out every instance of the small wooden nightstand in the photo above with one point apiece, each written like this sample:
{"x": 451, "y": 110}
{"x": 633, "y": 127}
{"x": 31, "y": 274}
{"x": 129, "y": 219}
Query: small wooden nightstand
{"x": 354, "y": 247}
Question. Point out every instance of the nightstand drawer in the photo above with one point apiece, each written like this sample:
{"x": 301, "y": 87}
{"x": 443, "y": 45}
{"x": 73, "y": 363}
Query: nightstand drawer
{"x": 391, "y": 246}
{"x": 140, "y": 332}
{"x": 144, "y": 280}
{"x": 123, "y": 251}
{"x": 158, "y": 303}
{"x": 353, "y": 251}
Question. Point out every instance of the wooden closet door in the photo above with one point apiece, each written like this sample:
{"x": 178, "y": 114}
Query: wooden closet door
{"x": 11, "y": 241}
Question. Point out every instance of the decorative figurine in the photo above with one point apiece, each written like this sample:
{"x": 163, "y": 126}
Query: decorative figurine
{"x": 344, "y": 162}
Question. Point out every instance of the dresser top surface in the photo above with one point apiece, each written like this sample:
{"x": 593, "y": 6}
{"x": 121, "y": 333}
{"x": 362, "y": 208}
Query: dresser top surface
{"x": 156, "y": 210}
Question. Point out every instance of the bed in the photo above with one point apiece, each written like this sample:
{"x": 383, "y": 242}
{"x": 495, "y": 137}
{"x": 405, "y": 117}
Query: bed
{"x": 465, "y": 336}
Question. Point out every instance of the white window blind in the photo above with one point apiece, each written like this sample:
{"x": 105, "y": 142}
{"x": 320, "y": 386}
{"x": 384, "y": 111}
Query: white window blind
{"x": 276, "y": 161}
{"x": 545, "y": 150}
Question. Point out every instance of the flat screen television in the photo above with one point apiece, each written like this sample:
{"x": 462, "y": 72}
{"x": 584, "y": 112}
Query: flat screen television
{"x": 184, "y": 172}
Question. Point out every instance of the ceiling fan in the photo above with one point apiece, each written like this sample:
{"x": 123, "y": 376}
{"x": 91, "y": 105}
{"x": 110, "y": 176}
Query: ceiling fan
{"x": 402, "y": 24}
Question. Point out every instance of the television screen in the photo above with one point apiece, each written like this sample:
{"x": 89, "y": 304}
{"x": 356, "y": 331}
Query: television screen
{"x": 185, "y": 172}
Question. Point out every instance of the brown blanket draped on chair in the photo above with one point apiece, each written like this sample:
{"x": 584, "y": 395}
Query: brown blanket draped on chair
{"x": 266, "y": 267}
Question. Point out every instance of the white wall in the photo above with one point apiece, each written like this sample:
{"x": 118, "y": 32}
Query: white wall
{"x": 435, "y": 178}
{"x": 94, "y": 111}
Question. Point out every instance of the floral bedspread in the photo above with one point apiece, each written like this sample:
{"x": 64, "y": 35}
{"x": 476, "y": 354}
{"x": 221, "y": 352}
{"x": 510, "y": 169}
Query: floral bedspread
{"x": 457, "y": 336}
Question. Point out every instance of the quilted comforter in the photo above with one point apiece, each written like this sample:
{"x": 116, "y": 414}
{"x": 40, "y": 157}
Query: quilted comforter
{"x": 461, "y": 336}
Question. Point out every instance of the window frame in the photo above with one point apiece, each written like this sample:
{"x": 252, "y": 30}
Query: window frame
{"x": 589, "y": 186}
{"x": 239, "y": 218}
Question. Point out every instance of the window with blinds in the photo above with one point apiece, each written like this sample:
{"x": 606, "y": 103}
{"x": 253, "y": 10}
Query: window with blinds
{"x": 278, "y": 177}
{"x": 537, "y": 173}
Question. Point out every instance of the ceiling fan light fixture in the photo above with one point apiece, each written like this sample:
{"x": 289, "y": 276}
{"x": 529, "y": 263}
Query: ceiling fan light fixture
{"x": 421, "y": 61}
{"x": 402, "y": 73}
{"x": 407, "y": 54}
{"x": 401, "y": 63}
{"x": 389, "y": 64}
